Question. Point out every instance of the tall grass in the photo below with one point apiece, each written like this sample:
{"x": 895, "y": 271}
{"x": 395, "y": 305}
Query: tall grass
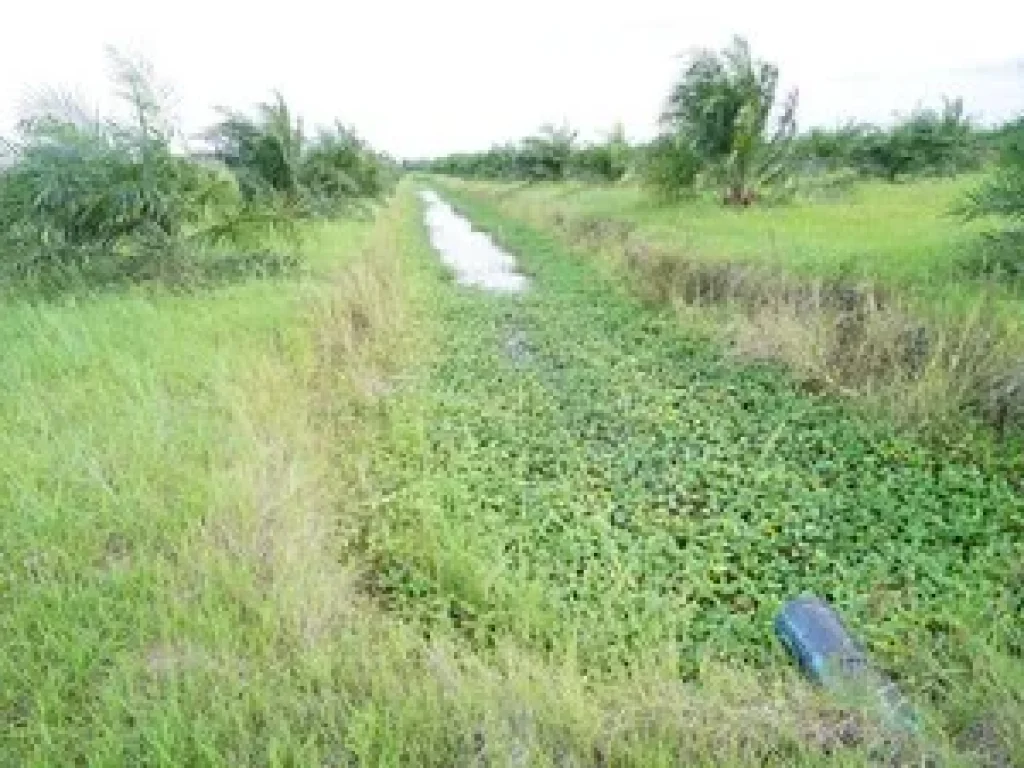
{"x": 185, "y": 480}
{"x": 189, "y": 484}
{"x": 170, "y": 509}
{"x": 866, "y": 297}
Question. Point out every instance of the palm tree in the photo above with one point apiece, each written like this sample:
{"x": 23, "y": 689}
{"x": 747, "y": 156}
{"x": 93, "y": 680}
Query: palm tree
{"x": 264, "y": 151}
{"x": 547, "y": 153}
{"x": 277, "y": 164}
{"x": 721, "y": 107}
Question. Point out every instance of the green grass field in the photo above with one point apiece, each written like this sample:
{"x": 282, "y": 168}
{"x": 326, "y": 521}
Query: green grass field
{"x": 624, "y": 487}
{"x": 776, "y": 276}
{"x": 362, "y": 516}
{"x": 905, "y": 235}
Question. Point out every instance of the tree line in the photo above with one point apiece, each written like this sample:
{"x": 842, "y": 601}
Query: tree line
{"x": 726, "y": 126}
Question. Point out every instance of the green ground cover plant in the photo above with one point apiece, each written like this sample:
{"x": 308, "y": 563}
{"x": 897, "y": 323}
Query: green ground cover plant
{"x": 360, "y": 515}
{"x": 597, "y": 486}
{"x": 876, "y": 296}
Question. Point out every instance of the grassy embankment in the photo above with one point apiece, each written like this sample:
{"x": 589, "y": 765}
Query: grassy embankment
{"x": 172, "y": 469}
{"x": 366, "y": 517}
{"x": 871, "y": 292}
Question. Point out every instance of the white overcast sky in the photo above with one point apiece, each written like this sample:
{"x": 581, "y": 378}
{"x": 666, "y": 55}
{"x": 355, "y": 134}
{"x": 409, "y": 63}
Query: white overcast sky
{"x": 421, "y": 78}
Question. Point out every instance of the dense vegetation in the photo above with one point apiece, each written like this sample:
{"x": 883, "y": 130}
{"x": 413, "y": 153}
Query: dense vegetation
{"x": 1001, "y": 198}
{"x": 369, "y": 517}
{"x": 356, "y": 514}
{"x": 553, "y": 154}
{"x": 750, "y": 154}
{"x": 925, "y": 142}
{"x": 1003, "y": 194}
{"x": 278, "y": 166}
{"x": 622, "y": 489}
{"x": 104, "y": 199}
{"x": 725, "y": 127}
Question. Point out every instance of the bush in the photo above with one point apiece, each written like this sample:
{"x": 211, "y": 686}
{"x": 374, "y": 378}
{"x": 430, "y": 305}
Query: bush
{"x": 1001, "y": 197}
{"x": 670, "y": 167}
{"x": 998, "y": 256}
{"x": 1003, "y": 194}
{"x": 829, "y": 150}
{"x": 597, "y": 163}
{"x": 278, "y": 166}
{"x": 608, "y": 161}
{"x": 546, "y": 156}
{"x": 338, "y": 169}
{"x": 549, "y": 155}
{"x": 926, "y": 143}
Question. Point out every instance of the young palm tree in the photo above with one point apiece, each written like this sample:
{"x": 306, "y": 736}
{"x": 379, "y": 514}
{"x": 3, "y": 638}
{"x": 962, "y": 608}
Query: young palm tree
{"x": 264, "y": 151}
{"x": 546, "y": 155}
{"x": 277, "y": 165}
{"x": 76, "y": 188}
{"x": 80, "y": 191}
{"x": 1003, "y": 192}
{"x": 721, "y": 107}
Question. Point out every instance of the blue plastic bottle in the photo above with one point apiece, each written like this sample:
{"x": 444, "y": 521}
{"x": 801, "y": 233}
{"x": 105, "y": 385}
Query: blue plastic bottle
{"x": 830, "y": 656}
{"x": 815, "y": 635}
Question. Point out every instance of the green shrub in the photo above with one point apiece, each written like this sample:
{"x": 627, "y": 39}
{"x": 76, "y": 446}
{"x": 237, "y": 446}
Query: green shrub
{"x": 1001, "y": 197}
{"x": 670, "y": 167}
{"x": 607, "y": 161}
{"x": 597, "y": 163}
{"x": 829, "y": 150}
{"x": 546, "y": 155}
{"x": 928, "y": 142}
{"x": 551, "y": 154}
{"x": 278, "y": 166}
{"x": 1003, "y": 193}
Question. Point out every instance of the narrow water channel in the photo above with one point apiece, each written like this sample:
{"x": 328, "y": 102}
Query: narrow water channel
{"x": 474, "y": 258}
